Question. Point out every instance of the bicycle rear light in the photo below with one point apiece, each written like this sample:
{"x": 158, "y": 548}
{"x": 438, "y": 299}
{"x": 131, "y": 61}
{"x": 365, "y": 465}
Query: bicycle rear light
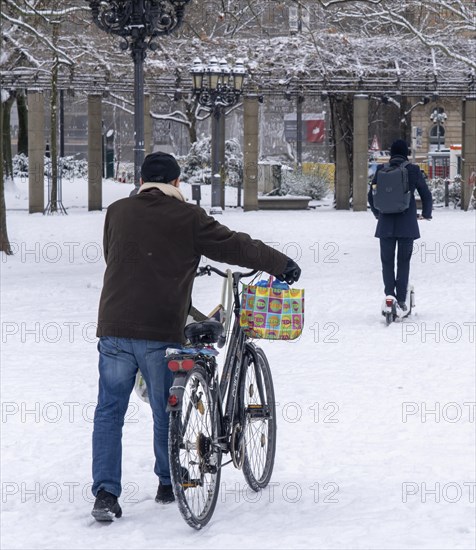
{"x": 188, "y": 364}
{"x": 181, "y": 364}
{"x": 173, "y": 400}
{"x": 174, "y": 366}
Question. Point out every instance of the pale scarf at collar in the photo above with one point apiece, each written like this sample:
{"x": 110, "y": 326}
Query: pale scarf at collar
{"x": 166, "y": 188}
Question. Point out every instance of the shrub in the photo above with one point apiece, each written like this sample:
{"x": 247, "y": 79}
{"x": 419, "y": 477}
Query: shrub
{"x": 20, "y": 165}
{"x": 313, "y": 185}
{"x": 437, "y": 188}
{"x": 196, "y": 166}
{"x": 71, "y": 167}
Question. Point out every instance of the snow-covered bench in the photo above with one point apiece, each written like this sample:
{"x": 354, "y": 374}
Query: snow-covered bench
{"x": 286, "y": 202}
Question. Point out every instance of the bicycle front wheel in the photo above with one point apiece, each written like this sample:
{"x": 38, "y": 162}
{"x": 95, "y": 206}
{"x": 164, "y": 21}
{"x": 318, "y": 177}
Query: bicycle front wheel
{"x": 257, "y": 393}
{"x": 194, "y": 455}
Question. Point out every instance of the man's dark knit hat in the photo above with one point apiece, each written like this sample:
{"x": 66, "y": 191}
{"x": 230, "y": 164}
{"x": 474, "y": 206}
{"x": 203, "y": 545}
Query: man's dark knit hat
{"x": 159, "y": 168}
{"x": 399, "y": 147}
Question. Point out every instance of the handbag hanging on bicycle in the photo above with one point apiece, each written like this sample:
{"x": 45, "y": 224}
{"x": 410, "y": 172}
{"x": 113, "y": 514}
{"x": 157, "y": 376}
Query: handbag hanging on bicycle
{"x": 271, "y": 310}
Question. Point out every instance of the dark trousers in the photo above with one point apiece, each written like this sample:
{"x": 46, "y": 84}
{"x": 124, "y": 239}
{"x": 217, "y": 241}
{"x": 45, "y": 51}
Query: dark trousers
{"x": 396, "y": 285}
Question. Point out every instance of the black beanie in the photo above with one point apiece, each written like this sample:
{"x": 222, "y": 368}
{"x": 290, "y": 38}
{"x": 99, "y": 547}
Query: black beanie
{"x": 399, "y": 148}
{"x": 159, "y": 168}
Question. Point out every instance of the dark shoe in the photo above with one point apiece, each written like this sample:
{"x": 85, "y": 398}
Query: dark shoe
{"x": 106, "y": 507}
{"x": 165, "y": 494}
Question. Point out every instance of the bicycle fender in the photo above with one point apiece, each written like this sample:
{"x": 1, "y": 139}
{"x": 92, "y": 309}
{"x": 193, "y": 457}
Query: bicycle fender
{"x": 177, "y": 389}
{"x": 252, "y": 349}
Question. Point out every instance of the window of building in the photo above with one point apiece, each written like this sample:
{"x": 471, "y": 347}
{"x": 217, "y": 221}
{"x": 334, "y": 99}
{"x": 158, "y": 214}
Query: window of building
{"x": 437, "y": 134}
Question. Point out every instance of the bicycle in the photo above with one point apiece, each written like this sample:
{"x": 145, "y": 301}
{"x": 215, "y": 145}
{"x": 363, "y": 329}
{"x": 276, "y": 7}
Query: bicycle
{"x": 211, "y": 416}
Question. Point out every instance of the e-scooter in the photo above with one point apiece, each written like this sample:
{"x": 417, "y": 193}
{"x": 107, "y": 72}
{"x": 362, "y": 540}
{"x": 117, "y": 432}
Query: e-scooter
{"x": 391, "y": 309}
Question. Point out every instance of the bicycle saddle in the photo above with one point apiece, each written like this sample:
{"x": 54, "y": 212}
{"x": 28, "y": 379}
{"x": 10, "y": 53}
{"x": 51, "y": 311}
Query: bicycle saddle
{"x": 204, "y": 332}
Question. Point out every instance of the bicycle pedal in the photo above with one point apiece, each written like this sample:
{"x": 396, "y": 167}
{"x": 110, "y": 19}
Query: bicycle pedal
{"x": 255, "y": 409}
{"x": 190, "y": 485}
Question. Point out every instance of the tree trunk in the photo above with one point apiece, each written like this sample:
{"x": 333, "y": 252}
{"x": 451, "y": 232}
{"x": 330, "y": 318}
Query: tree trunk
{"x": 4, "y": 242}
{"x": 342, "y": 123}
{"x": 54, "y": 140}
{"x": 54, "y": 128}
{"x": 22, "y": 147}
{"x": 7, "y": 160}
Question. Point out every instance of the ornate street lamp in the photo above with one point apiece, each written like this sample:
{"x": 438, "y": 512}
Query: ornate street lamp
{"x": 216, "y": 87}
{"x": 138, "y": 22}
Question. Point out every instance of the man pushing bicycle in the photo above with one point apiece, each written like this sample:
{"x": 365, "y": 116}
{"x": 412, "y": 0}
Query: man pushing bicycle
{"x": 153, "y": 242}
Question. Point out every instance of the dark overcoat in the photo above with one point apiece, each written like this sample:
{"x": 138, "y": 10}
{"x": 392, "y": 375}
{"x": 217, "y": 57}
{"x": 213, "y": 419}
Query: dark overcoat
{"x": 152, "y": 247}
{"x": 404, "y": 224}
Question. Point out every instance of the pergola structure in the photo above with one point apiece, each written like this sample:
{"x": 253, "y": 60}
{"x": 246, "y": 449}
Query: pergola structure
{"x": 451, "y": 79}
{"x": 322, "y": 76}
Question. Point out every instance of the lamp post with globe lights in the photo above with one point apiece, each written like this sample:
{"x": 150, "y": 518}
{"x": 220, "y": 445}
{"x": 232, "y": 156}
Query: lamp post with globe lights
{"x": 216, "y": 87}
{"x": 138, "y": 22}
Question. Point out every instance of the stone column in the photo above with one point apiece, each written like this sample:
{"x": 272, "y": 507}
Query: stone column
{"x": 361, "y": 147}
{"x": 36, "y": 151}
{"x": 147, "y": 125}
{"x": 95, "y": 152}
{"x": 468, "y": 152}
{"x": 250, "y": 153}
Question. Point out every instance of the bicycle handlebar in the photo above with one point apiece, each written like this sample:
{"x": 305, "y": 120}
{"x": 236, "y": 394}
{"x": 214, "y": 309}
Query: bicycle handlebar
{"x": 207, "y": 270}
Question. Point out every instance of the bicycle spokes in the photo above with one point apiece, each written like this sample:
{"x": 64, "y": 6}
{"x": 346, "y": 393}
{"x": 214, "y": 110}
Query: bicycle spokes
{"x": 260, "y": 421}
{"x": 194, "y": 454}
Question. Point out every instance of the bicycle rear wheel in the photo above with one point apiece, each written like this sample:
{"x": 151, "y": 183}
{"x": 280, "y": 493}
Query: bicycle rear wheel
{"x": 257, "y": 393}
{"x": 195, "y": 457}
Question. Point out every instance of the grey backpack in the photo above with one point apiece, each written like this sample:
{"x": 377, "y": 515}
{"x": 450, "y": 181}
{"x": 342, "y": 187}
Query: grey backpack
{"x": 391, "y": 192}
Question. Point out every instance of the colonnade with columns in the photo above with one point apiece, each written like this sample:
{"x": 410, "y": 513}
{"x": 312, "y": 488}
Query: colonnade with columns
{"x": 346, "y": 182}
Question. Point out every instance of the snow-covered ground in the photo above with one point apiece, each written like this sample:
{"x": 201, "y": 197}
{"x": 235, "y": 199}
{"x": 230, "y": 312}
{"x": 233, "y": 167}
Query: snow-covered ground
{"x": 376, "y": 433}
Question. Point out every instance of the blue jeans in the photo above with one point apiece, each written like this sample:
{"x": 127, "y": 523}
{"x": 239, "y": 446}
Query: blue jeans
{"x": 119, "y": 360}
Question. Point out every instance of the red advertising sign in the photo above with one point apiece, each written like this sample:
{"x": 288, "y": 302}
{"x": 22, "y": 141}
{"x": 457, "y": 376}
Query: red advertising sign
{"x": 315, "y": 130}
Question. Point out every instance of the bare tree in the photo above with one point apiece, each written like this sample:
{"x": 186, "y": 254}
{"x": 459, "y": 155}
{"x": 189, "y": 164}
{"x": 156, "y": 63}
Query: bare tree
{"x": 4, "y": 242}
{"x": 448, "y": 26}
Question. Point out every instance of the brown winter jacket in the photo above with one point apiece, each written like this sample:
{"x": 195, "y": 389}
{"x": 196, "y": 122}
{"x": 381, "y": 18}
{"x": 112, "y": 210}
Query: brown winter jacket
{"x": 152, "y": 247}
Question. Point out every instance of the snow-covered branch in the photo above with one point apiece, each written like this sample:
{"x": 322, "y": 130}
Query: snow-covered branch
{"x": 330, "y": 3}
{"x": 430, "y": 42}
{"x": 446, "y": 25}
{"x": 175, "y": 116}
{"x": 45, "y": 12}
{"x": 7, "y": 37}
{"x": 119, "y": 106}
{"x": 63, "y": 58}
